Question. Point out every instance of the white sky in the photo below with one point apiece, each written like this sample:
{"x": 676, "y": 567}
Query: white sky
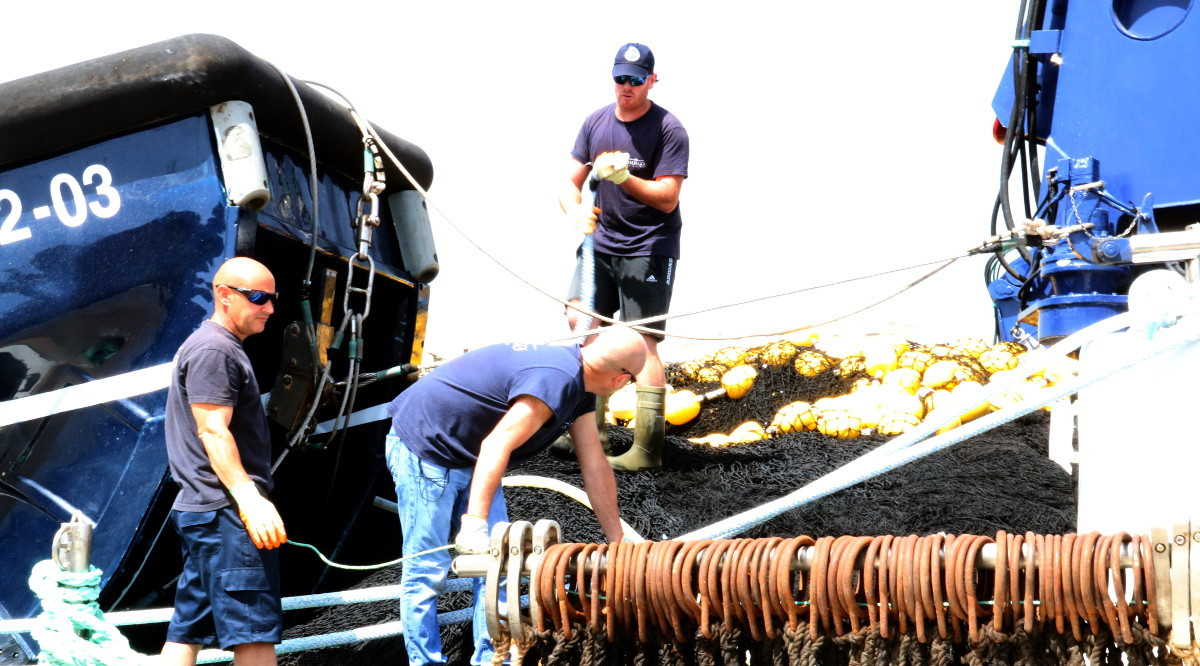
{"x": 829, "y": 140}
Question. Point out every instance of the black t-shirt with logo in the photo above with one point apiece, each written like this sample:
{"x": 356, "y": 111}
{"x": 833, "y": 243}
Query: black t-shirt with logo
{"x": 658, "y": 145}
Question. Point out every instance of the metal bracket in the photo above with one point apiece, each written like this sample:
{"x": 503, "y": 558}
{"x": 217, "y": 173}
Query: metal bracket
{"x": 1193, "y": 538}
{"x": 1161, "y": 545}
{"x": 1045, "y": 42}
{"x": 520, "y": 542}
{"x": 72, "y": 548}
{"x": 1180, "y": 599}
{"x": 545, "y": 534}
{"x": 496, "y": 552}
{"x": 1177, "y": 577}
{"x": 514, "y": 550}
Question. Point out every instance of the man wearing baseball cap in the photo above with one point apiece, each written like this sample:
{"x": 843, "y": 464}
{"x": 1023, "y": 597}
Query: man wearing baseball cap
{"x": 640, "y": 151}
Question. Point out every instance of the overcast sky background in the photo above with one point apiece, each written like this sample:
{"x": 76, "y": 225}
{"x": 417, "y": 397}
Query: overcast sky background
{"x": 829, "y": 141}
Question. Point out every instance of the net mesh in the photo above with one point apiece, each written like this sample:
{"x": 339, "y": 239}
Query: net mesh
{"x": 997, "y": 480}
{"x": 774, "y": 387}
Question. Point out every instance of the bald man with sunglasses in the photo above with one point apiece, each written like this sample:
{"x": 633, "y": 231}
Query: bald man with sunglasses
{"x": 219, "y": 449}
{"x": 640, "y": 151}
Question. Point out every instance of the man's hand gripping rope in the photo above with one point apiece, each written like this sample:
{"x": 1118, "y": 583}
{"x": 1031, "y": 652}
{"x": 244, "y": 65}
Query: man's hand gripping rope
{"x": 259, "y": 516}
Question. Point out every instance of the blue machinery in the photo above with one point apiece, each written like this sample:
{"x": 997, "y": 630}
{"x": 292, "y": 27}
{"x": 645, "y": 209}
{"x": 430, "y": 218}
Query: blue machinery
{"x": 125, "y": 182}
{"x": 1104, "y": 93}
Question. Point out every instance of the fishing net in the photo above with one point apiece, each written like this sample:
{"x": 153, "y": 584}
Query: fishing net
{"x": 998, "y": 480}
{"x": 774, "y": 387}
{"x": 786, "y": 373}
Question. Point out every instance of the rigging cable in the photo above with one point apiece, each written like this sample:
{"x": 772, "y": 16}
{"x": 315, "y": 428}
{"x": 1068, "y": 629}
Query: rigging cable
{"x": 369, "y": 129}
{"x": 638, "y": 324}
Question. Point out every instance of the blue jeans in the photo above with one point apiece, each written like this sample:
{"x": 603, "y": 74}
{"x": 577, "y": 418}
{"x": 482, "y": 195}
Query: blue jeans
{"x": 431, "y": 499}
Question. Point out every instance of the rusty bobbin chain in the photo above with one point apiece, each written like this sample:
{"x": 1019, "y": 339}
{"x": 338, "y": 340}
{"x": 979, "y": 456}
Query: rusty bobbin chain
{"x": 940, "y": 585}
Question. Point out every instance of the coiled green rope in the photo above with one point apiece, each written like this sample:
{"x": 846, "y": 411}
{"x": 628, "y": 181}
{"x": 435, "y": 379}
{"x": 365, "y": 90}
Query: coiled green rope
{"x": 73, "y": 631}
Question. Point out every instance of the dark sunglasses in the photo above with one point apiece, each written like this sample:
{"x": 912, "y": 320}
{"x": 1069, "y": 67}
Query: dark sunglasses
{"x": 634, "y": 81}
{"x": 255, "y": 296}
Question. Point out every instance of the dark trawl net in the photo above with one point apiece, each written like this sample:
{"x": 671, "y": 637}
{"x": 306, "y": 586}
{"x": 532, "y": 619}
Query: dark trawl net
{"x": 998, "y": 480}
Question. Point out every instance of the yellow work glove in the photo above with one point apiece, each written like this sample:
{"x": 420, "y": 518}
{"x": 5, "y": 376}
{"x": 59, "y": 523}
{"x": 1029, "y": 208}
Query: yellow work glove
{"x": 259, "y": 516}
{"x": 472, "y": 536}
{"x": 613, "y": 167}
{"x": 584, "y": 217}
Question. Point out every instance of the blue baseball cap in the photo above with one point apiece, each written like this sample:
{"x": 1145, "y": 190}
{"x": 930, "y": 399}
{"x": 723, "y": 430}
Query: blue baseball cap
{"x": 633, "y": 59}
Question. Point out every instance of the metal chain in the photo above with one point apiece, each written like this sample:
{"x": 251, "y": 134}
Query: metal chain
{"x": 365, "y": 220}
{"x": 374, "y": 183}
{"x": 1086, "y": 227}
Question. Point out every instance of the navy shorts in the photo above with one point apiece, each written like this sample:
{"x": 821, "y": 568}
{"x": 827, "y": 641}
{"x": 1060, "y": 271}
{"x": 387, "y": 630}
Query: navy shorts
{"x": 228, "y": 593}
{"x": 639, "y": 287}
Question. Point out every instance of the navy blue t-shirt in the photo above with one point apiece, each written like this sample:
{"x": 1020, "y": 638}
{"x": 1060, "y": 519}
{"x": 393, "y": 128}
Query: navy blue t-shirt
{"x": 444, "y": 417}
{"x": 211, "y": 367}
{"x": 657, "y": 145}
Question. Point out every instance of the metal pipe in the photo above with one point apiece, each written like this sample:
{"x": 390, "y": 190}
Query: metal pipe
{"x": 1167, "y": 246}
{"x": 72, "y": 548}
{"x": 475, "y": 566}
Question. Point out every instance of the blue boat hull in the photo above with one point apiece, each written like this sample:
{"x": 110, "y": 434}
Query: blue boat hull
{"x": 111, "y": 227}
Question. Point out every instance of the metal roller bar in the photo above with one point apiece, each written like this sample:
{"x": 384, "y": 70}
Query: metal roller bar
{"x": 476, "y": 566}
{"x": 1129, "y": 589}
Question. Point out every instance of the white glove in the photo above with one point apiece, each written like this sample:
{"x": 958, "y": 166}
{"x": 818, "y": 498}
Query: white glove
{"x": 613, "y": 167}
{"x": 472, "y": 536}
{"x": 259, "y": 516}
{"x": 584, "y": 217}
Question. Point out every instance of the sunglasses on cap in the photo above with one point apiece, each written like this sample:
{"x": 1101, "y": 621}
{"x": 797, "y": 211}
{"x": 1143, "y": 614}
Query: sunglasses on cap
{"x": 634, "y": 81}
{"x": 255, "y": 296}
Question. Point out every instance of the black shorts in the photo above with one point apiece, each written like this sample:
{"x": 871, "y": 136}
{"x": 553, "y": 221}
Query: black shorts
{"x": 639, "y": 287}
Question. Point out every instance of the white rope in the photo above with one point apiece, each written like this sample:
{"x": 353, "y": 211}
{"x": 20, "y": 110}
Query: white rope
{"x": 365, "y": 125}
{"x": 547, "y": 483}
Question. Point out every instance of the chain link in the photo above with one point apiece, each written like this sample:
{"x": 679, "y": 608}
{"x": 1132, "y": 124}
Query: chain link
{"x": 367, "y": 210}
{"x": 1086, "y": 227}
{"x": 365, "y": 219}
{"x": 369, "y": 264}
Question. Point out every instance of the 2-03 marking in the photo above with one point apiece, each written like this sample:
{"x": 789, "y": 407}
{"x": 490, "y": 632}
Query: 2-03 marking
{"x": 68, "y": 200}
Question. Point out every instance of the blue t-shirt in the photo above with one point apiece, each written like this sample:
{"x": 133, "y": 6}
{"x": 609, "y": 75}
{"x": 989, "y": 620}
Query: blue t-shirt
{"x": 444, "y": 417}
{"x": 658, "y": 146}
{"x": 211, "y": 367}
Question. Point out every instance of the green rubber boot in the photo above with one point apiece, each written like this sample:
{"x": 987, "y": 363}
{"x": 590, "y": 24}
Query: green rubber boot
{"x": 601, "y": 424}
{"x": 564, "y": 446}
{"x": 649, "y": 432}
